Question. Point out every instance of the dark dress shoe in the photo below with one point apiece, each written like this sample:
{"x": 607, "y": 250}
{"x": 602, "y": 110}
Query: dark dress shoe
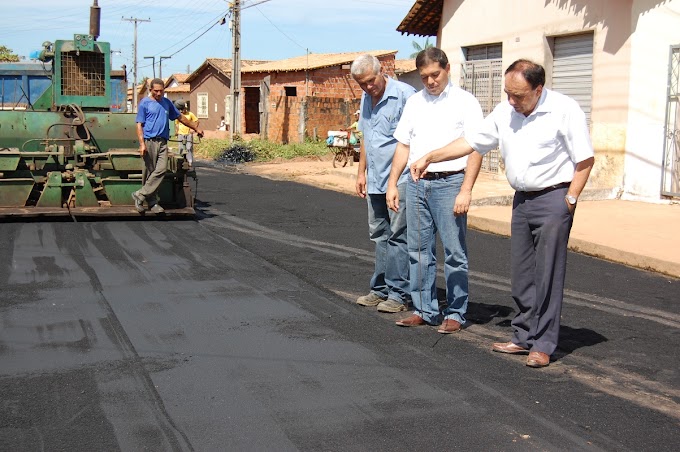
{"x": 449, "y": 326}
{"x": 538, "y": 359}
{"x": 509, "y": 347}
{"x": 412, "y": 320}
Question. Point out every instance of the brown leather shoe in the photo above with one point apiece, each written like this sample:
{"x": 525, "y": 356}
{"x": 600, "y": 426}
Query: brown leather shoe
{"x": 449, "y": 326}
{"x": 509, "y": 347}
{"x": 538, "y": 359}
{"x": 412, "y": 320}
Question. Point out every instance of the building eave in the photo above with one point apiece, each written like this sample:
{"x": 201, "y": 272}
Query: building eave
{"x": 423, "y": 19}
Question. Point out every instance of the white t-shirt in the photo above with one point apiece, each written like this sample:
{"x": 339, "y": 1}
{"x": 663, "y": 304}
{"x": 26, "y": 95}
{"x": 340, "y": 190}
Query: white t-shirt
{"x": 431, "y": 122}
{"x": 539, "y": 150}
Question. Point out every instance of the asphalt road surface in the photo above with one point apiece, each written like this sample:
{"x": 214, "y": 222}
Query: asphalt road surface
{"x": 238, "y": 331}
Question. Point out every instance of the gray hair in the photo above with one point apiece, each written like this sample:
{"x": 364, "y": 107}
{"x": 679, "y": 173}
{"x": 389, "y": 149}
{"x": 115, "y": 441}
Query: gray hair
{"x": 363, "y": 64}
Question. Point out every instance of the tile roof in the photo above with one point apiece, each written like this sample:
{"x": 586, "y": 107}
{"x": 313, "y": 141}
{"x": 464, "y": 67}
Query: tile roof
{"x": 312, "y": 61}
{"x": 183, "y": 88}
{"x": 401, "y": 66}
{"x": 223, "y": 65}
{"x": 181, "y": 78}
{"x": 423, "y": 19}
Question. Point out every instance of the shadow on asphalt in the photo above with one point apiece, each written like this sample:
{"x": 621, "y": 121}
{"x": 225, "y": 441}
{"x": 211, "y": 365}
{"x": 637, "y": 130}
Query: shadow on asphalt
{"x": 571, "y": 339}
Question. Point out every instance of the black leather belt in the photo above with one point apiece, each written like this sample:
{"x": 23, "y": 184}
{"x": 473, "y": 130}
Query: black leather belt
{"x": 156, "y": 139}
{"x": 441, "y": 174}
{"x": 547, "y": 189}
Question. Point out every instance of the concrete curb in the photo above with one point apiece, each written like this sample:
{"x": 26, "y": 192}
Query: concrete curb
{"x": 587, "y": 248}
{"x": 625, "y": 257}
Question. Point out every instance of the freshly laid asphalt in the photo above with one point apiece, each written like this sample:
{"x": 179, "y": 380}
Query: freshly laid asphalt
{"x": 238, "y": 331}
{"x": 641, "y": 234}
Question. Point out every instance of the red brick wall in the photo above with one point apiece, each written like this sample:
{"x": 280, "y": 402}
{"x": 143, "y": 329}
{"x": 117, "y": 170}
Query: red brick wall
{"x": 284, "y": 119}
{"x": 332, "y": 98}
{"x": 327, "y": 113}
{"x": 322, "y": 114}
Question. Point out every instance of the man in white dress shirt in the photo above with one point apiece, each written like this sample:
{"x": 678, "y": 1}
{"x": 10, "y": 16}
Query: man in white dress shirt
{"x": 437, "y": 203}
{"x": 544, "y": 140}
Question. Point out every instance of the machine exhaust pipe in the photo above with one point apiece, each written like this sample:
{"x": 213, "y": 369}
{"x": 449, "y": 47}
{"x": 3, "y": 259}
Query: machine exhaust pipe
{"x": 95, "y": 19}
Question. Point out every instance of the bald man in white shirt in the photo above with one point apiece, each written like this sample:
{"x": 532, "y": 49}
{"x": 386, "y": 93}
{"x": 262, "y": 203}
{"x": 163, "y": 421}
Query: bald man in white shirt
{"x": 544, "y": 140}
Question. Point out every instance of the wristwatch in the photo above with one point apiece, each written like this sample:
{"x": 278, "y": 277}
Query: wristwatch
{"x": 571, "y": 200}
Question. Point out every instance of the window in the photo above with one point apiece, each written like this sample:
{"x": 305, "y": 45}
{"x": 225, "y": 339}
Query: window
{"x": 483, "y": 52}
{"x": 291, "y": 91}
{"x": 482, "y": 75}
{"x": 202, "y": 108}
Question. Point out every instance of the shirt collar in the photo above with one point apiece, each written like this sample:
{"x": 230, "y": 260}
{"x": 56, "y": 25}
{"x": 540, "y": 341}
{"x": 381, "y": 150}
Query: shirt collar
{"x": 390, "y": 89}
{"x": 544, "y": 102}
{"x": 443, "y": 95}
{"x": 543, "y": 105}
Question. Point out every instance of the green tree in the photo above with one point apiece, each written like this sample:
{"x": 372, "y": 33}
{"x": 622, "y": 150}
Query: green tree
{"x": 418, "y": 48}
{"x": 7, "y": 55}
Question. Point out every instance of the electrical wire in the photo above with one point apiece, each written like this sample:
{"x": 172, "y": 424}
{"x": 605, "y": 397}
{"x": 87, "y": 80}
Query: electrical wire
{"x": 281, "y": 31}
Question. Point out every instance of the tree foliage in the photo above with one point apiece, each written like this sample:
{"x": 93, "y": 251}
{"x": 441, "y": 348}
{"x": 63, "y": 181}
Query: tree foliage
{"x": 6, "y": 55}
{"x": 418, "y": 48}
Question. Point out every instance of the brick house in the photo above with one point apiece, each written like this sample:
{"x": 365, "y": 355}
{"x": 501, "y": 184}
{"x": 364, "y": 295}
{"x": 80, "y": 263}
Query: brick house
{"x": 209, "y": 90}
{"x": 306, "y": 96}
{"x": 619, "y": 59}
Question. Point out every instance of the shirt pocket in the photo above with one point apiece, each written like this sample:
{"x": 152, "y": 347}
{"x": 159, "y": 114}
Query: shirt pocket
{"x": 385, "y": 125}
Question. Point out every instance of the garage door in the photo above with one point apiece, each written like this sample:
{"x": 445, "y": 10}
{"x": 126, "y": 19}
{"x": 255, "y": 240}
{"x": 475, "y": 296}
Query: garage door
{"x": 573, "y": 69}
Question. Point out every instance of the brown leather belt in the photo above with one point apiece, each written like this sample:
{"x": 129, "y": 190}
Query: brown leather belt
{"x": 441, "y": 174}
{"x": 547, "y": 189}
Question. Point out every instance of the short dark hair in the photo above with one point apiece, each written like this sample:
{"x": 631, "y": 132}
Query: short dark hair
{"x": 157, "y": 81}
{"x": 532, "y": 72}
{"x": 431, "y": 55}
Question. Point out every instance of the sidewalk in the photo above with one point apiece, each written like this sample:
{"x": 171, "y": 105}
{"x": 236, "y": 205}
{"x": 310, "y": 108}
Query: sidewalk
{"x": 639, "y": 234}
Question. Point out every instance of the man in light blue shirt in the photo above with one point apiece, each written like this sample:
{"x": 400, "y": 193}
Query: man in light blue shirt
{"x": 381, "y": 106}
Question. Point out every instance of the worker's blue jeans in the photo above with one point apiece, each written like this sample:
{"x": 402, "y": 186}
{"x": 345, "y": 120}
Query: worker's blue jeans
{"x": 387, "y": 229}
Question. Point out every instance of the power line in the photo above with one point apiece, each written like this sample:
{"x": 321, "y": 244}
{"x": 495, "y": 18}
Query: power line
{"x": 281, "y": 31}
{"x": 212, "y": 21}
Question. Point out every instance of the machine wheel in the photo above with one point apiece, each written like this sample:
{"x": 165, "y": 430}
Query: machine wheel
{"x": 340, "y": 159}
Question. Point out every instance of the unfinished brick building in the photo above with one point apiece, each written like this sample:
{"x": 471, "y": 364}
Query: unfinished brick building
{"x": 302, "y": 97}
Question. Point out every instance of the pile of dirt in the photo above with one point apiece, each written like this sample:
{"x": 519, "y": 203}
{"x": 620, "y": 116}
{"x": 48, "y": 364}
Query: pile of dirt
{"x": 316, "y": 171}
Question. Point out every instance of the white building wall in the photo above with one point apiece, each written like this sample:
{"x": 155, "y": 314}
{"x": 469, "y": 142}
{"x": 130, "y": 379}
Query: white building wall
{"x": 657, "y": 28}
{"x": 630, "y": 58}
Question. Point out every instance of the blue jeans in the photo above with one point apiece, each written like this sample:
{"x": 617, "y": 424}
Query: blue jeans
{"x": 430, "y": 211}
{"x": 387, "y": 229}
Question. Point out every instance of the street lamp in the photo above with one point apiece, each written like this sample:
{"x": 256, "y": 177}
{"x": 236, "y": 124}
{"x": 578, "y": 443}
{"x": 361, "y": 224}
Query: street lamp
{"x": 153, "y": 64}
{"x": 160, "y": 65}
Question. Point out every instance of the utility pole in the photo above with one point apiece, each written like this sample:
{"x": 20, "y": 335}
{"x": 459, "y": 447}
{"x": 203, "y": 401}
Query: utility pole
{"x": 153, "y": 64}
{"x": 134, "y": 86}
{"x": 160, "y": 65}
{"x": 235, "y": 122}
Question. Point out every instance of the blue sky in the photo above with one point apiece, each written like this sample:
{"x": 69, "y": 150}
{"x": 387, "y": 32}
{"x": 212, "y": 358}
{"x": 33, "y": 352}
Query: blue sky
{"x": 273, "y": 30}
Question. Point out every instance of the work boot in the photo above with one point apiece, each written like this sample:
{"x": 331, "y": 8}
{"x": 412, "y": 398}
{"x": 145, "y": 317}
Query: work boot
{"x": 370, "y": 300}
{"x": 391, "y": 305}
{"x": 156, "y": 208}
{"x": 139, "y": 201}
